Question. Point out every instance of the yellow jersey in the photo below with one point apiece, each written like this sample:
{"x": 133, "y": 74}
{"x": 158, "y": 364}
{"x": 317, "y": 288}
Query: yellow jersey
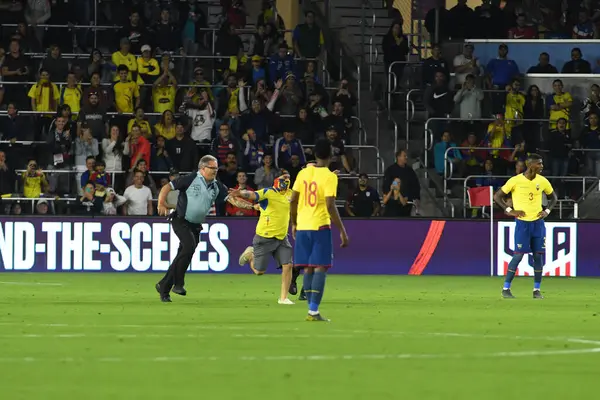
{"x": 144, "y": 126}
{"x": 129, "y": 60}
{"x": 527, "y": 194}
{"x": 274, "y": 220}
{"x": 513, "y": 111}
{"x": 72, "y": 98}
{"x": 142, "y": 67}
{"x": 566, "y": 113}
{"x": 167, "y": 133}
{"x": 164, "y": 98}
{"x": 41, "y": 94}
{"x": 314, "y": 185}
{"x": 33, "y": 185}
{"x": 125, "y": 92}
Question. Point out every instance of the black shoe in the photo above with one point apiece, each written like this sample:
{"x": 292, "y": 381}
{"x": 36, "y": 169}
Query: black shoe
{"x": 165, "y": 298}
{"x": 180, "y": 290}
{"x": 537, "y": 294}
{"x": 507, "y": 294}
{"x": 302, "y": 296}
{"x": 293, "y": 290}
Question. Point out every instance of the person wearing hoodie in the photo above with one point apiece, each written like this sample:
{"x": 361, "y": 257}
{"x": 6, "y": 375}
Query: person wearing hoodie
{"x": 281, "y": 64}
{"x": 135, "y": 32}
{"x": 183, "y": 150}
{"x": 96, "y": 63}
{"x": 287, "y": 146}
{"x": 57, "y": 66}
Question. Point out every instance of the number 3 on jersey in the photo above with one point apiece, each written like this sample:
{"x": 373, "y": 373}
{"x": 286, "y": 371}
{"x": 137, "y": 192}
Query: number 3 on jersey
{"x": 310, "y": 193}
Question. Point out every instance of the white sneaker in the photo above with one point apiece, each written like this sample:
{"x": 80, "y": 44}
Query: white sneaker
{"x": 244, "y": 257}
{"x": 285, "y": 301}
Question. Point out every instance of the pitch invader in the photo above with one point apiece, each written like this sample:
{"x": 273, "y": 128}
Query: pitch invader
{"x": 530, "y": 232}
{"x": 271, "y": 238}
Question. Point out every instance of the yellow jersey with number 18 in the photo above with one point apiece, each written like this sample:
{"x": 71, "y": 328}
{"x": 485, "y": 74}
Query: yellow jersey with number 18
{"x": 527, "y": 194}
{"x": 314, "y": 184}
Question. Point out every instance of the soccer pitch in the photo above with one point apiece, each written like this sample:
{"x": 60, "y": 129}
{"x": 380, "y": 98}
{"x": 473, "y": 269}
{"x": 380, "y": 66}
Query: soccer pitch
{"x": 107, "y": 336}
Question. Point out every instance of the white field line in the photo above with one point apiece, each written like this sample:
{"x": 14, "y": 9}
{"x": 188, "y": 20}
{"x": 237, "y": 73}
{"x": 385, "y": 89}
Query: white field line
{"x": 359, "y": 357}
{"x": 159, "y": 336}
{"x": 31, "y": 283}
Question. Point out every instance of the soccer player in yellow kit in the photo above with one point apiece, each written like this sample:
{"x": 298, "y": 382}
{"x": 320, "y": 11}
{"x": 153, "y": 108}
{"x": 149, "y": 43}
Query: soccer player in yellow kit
{"x": 271, "y": 237}
{"x": 312, "y": 210}
{"x": 530, "y": 231}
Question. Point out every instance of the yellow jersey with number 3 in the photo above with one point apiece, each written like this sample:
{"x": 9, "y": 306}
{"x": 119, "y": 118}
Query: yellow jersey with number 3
{"x": 527, "y": 194}
{"x": 314, "y": 184}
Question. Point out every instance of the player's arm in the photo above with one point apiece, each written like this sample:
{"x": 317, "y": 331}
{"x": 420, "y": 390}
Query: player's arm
{"x": 244, "y": 198}
{"x": 500, "y": 198}
{"x": 330, "y": 192}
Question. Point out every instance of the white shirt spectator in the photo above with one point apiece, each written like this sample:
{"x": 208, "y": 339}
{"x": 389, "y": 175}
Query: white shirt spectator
{"x": 113, "y": 158}
{"x": 202, "y": 123}
{"x": 137, "y": 200}
{"x": 460, "y": 60}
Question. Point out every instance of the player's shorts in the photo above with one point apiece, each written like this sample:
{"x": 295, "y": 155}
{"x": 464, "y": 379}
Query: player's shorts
{"x": 265, "y": 248}
{"x": 530, "y": 236}
{"x": 313, "y": 249}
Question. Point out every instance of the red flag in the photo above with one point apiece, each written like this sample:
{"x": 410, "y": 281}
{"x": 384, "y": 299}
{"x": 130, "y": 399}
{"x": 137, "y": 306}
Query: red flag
{"x": 480, "y": 196}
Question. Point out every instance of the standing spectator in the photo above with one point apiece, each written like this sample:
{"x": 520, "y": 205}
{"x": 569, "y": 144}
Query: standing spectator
{"x": 16, "y": 128}
{"x": 228, "y": 172}
{"x": 290, "y": 97}
{"x": 401, "y": 170}
{"x": 93, "y": 116}
{"x": 522, "y": 30}
{"x": 469, "y": 99}
{"x": 257, "y": 72}
{"x": 192, "y": 20}
{"x": 166, "y": 35}
{"x": 236, "y": 13}
{"x": 559, "y": 104}
{"x": 489, "y": 179}
{"x": 285, "y": 147}
{"x": 228, "y": 46}
{"x": 308, "y": 38}
{"x": 265, "y": 175}
{"x": 97, "y": 63}
{"x": 148, "y": 181}
{"x": 269, "y": 15}
{"x": 198, "y": 85}
{"x": 140, "y": 120}
{"x": 514, "y": 108}
{"x": 305, "y": 129}
{"x": 437, "y": 22}
{"x": 7, "y": 176}
{"x": 38, "y": 12}
{"x": 466, "y": 64}
{"x": 148, "y": 68}
{"x": 71, "y": 94}
{"x": 543, "y": 66}
{"x": 342, "y": 96}
{"x": 259, "y": 42}
{"x": 490, "y": 21}
{"x": 126, "y": 92}
{"x": 34, "y": 181}
{"x": 230, "y": 209}
{"x": 60, "y": 141}
{"x": 135, "y": 32}
{"x": 161, "y": 161}
{"x": 498, "y": 136}
{"x": 164, "y": 91}
{"x": 294, "y": 169}
{"x": 138, "y": 147}
{"x": 124, "y": 57}
{"x": 202, "y": 117}
{"x": 364, "y": 202}
{"x": 591, "y": 104}
{"x": 395, "y": 50}
{"x": 15, "y": 69}
{"x": 473, "y": 157}
{"x": 396, "y": 200}
{"x": 339, "y": 160}
{"x": 139, "y": 197}
{"x": 559, "y": 147}
{"x": 281, "y": 64}
{"x": 501, "y": 71}
{"x": 338, "y": 119}
{"x": 254, "y": 151}
{"x": 113, "y": 149}
{"x": 183, "y": 150}
{"x": 44, "y": 97}
{"x": 434, "y": 65}
{"x": 56, "y": 66}
{"x": 166, "y": 126}
{"x": 223, "y": 144}
{"x": 577, "y": 65}
{"x": 86, "y": 146}
{"x": 439, "y": 153}
{"x": 533, "y": 109}
{"x": 463, "y": 19}
{"x": 438, "y": 103}
{"x": 590, "y": 140}
{"x": 228, "y": 108}
{"x": 105, "y": 99}
{"x": 89, "y": 203}
{"x": 258, "y": 117}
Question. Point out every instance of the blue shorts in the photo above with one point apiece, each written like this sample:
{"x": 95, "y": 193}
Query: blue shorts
{"x": 313, "y": 249}
{"x": 530, "y": 236}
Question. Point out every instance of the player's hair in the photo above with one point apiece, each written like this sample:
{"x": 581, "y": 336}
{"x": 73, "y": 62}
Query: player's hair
{"x": 533, "y": 157}
{"x": 323, "y": 149}
{"x": 204, "y": 161}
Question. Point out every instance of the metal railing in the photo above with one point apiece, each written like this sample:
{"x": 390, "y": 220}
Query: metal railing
{"x": 392, "y": 79}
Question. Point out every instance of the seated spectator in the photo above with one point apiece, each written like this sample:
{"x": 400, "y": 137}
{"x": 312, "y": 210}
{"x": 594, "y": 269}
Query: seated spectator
{"x": 304, "y": 128}
{"x": 139, "y": 197}
{"x": 183, "y": 150}
{"x": 396, "y": 201}
{"x": 591, "y": 105}
{"x": 86, "y": 146}
{"x": 404, "y": 172}
{"x": 224, "y": 143}
{"x": 227, "y": 107}
{"x": 242, "y": 184}
{"x": 56, "y": 66}
{"x": 584, "y": 28}
{"x": 228, "y": 172}
{"x": 42, "y": 207}
{"x": 44, "y": 97}
{"x": 164, "y": 91}
{"x": 89, "y": 203}
{"x": 577, "y": 65}
{"x": 257, "y": 72}
{"x": 138, "y": 147}
{"x": 489, "y": 179}
{"x": 310, "y": 86}
{"x": 473, "y": 157}
{"x": 148, "y": 67}
{"x": 254, "y": 151}
{"x": 260, "y": 91}
{"x": 135, "y": 32}
{"x": 15, "y": 68}
{"x": 16, "y": 128}
{"x": 338, "y": 119}
{"x": 97, "y": 65}
{"x": 127, "y": 92}
{"x": 105, "y": 98}
{"x": 364, "y": 202}
{"x": 522, "y": 30}
{"x": 86, "y": 174}
{"x": 161, "y": 160}
{"x": 439, "y": 151}
{"x": 93, "y": 115}
{"x": 200, "y": 84}
{"x": 559, "y": 103}
{"x": 124, "y": 57}
{"x": 265, "y": 175}
{"x": 166, "y": 126}
{"x": 201, "y": 117}
{"x": 285, "y": 147}
{"x": 269, "y": 15}
{"x": 142, "y": 167}
{"x": 112, "y": 201}
{"x": 514, "y": 107}
{"x": 7, "y": 176}
{"x": 61, "y": 146}
{"x": 34, "y": 181}
{"x": 100, "y": 177}
{"x": 140, "y": 120}
{"x": 291, "y": 96}
{"x": 544, "y": 66}
{"x": 590, "y": 140}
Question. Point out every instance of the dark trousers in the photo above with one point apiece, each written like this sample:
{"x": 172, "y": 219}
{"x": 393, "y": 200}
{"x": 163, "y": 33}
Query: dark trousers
{"x": 189, "y": 237}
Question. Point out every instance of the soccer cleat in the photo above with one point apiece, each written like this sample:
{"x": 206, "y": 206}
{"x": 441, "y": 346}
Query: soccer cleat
{"x": 316, "y": 317}
{"x": 537, "y": 294}
{"x": 302, "y": 296}
{"x": 507, "y": 294}
{"x": 180, "y": 290}
{"x": 244, "y": 257}
{"x": 285, "y": 301}
{"x": 293, "y": 290}
{"x": 165, "y": 298}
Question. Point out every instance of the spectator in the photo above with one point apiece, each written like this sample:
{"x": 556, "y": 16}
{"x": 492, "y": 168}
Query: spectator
{"x": 34, "y": 181}
{"x": 89, "y": 167}
{"x": 294, "y": 168}
{"x": 265, "y": 175}
{"x": 228, "y": 172}
{"x": 544, "y": 66}
{"x": 236, "y": 13}
{"x": 15, "y": 69}
{"x": 71, "y": 94}
{"x": 148, "y": 67}
{"x": 559, "y": 146}
{"x": 533, "y": 109}
{"x": 198, "y": 85}
{"x": 339, "y": 160}
{"x": 584, "y": 28}
{"x": 364, "y": 202}
{"x": 125, "y": 92}
{"x": 514, "y": 107}
{"x": 44, "y": 97}
{"x": 469, "y": 99}
{"x": 590, "y": 140}
{"x": 192, "y": 20}
{"x": 304, "y": 128}
{"x": 60, "y": 141}
{"x": 7, "y": 176}
{"x": 559, "y": 104}
{"x": 591, "y": 104}
{"x": 577, "y": 65}
{"x": 229, "y": 45}
{"x": 281, "y": 64}
{"x": 112, "y": 201}
{"x": 42, "y": 207}
{"x": 105, "y": 98}
{"x": 89, "y": 203}
{"x": 463, "y": 19}
{"x": 142, "y": 167}
{"x": 224, "y": 143}
{"x": 290, "y": 97}
{"x": 38, "y": 13}
{"x": 16, "y": 128}
{"x": 161, "y": 161}
{"x": 137, "y": 148}
{"x": 473, "y": 157}
{"x": 140, "y": 120}
{"x": 274, "y": 39}
{"x": 254, "y": 151}
{"x": 93, "y": 115}
{"x": 437, "y": 22}
{"x": 433, "y": 65}
{"x": 522, "y": 30}
{"x": 26, "y": 37}
{"x": 258, "y": 117}
{"x": 466, "y": 64}
{"x": 337, "y": 119}
{"x": 257, "y": 72}
{"x": 490, "y": 21}
{"x": 395, "y": 50}
{"x": 56, "y": 66}
{"x": 259, "y": 42}
{"x": 86, "y": 146}
{"x": 135, "y": 32}
{"x": 438, "y": 102}
{"x": 401, "y": 170}
{"x": 124, "y": 57}
{"x": 100, "y": 177}
{"x": 396, "y": 200}
{"x": 501, "y": 71}
{"x": 113, "y": 149}
{"x": 342, "y": 96}
{"x": 164, "y": 91}
{"x": 285, "y": 147}
{"x": 259, "y": 91}
{"x": 489, "y": 179}
{"x": 498, "y": 136}
{"x": 201, "y": 116}
{"x": 139, "y": 197}
{"x": 308, "y": 38}
{"x": 269, "y": 15}
{"x": 228, "y": 107}
{"x": 310, "y": 86}
{"x": 439, "y": 151}
{"x": 173, "y": 195}
{"x": 166, "y": 126}
{"x": 65, "y": 112}
{"x": 183, "y": 150}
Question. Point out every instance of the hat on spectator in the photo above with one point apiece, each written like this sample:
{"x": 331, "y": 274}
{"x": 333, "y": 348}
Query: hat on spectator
{"x": 256, "y": 58}
{"x": 42, "y": 201}
{"x": 110, "y": 191}
{"x": 146, "y": 47}
{"x": 332, "y": 128}
{"x": 198, "y": 69}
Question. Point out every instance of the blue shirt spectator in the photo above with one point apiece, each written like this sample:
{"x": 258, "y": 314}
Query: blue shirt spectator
{"x": 502, "y": 69}
{"x": 281, "y": 64}
{"x": 285, "y": 148}
{"x": 439, "y": 151}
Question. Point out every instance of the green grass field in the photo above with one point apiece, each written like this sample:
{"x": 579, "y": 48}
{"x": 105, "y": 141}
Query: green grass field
{"x": 106, "y": 336}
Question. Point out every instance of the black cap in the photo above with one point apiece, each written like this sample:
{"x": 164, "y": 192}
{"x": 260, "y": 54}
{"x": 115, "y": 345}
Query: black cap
{"x": 332, "y": 128}
{"x": 363, "y": 175}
